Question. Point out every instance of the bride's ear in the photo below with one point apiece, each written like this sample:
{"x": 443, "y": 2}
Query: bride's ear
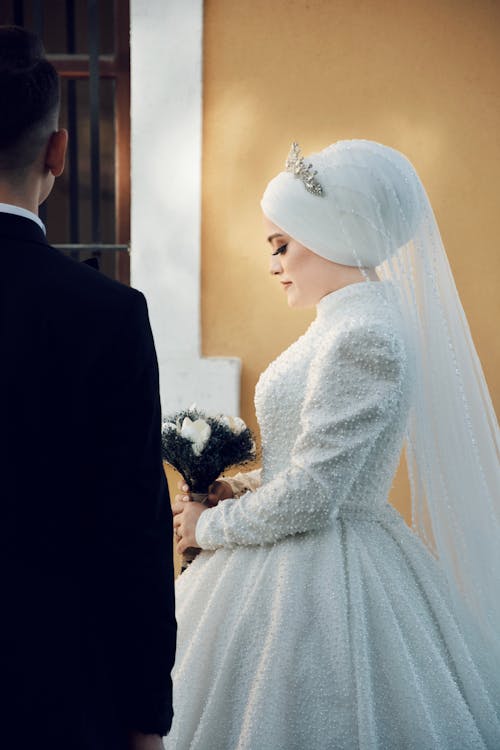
{"x": 55, "y": 155}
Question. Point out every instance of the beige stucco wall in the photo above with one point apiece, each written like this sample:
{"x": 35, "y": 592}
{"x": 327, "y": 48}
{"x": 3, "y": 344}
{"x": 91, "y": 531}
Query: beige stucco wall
{"x": 420, "y": 76}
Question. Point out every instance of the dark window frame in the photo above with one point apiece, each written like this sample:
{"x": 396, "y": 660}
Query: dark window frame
{"x": 94, "y": 67}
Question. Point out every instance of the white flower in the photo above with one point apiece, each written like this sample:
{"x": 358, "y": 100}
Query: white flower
{"x": 197, "y": 432}
{"x": 235, "y": 424}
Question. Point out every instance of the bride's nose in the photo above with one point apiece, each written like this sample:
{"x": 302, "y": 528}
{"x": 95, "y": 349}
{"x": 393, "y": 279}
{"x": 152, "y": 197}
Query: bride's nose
{"x": 275, "y": 266}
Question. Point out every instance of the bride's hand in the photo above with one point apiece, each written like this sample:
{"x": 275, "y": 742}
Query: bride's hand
{"x": 185, "y": 497}
{"x": 186, "y": 516}
{"x": 218, "y": 491}
{"x": 186, "y": 513}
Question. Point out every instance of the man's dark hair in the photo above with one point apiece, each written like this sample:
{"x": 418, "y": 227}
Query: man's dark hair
{"x": 29, "y": 98}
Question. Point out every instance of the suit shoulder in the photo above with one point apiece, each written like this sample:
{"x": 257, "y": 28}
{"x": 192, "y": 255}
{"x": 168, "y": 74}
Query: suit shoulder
{"x": 78, "y": 285}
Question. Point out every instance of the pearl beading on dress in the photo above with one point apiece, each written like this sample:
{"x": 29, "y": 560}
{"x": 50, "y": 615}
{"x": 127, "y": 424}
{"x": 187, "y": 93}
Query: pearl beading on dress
{"x": 337, "y": 395}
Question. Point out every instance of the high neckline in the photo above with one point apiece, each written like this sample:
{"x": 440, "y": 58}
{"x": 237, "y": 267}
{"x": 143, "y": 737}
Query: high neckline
{"x": 331, "y": 301}
{"x": 345, "y": 290}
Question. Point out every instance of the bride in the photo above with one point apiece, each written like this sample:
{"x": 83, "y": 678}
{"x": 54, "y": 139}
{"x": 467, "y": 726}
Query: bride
{"x": 313, "y": 616}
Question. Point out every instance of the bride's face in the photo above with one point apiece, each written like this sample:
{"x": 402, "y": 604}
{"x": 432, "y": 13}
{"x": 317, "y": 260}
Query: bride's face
{"x": 305, "y": 277}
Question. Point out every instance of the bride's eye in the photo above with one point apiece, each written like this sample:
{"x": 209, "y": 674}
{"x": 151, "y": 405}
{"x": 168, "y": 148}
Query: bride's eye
{"x": 280, "y": 250}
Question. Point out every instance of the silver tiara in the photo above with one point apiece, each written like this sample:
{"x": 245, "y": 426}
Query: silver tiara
{"x": 296, "y": 165}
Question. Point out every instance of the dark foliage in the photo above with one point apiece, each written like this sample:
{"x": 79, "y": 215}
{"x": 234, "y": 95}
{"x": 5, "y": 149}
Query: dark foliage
{"x": 223, "y": 450}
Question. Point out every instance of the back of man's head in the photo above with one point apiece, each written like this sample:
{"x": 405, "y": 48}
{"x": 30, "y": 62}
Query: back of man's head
{"x": 29, "y": 100}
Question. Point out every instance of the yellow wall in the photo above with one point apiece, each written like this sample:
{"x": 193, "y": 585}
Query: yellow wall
{"x": 420, "y": 76}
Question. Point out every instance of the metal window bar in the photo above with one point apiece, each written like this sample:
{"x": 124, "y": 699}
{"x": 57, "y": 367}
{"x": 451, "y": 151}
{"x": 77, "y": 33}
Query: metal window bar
{"x": 95, "y": 167}
{"x": 74, "y": 249}
{"x": 72, "y": 120}
{"x": 18, "y": 12}
{"x": 38, "y": 16}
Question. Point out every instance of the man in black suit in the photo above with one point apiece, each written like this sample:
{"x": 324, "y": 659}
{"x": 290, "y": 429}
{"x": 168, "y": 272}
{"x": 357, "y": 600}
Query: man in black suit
{"x": 87, "y": 627}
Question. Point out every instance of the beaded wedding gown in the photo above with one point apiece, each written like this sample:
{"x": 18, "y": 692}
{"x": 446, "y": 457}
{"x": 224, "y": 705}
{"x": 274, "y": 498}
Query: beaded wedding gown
{"x": 314, "y": 617}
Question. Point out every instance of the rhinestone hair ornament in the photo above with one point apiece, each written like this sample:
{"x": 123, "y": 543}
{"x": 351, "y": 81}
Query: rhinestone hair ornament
{"x": 296, "y": 165}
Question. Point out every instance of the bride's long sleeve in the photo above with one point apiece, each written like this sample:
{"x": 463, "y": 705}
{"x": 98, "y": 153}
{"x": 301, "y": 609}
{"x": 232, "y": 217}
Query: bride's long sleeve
{"x": 354, "y": 382}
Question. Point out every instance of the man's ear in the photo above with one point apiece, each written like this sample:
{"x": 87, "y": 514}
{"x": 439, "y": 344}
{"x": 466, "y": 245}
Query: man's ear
{"x": 55, "y": 155}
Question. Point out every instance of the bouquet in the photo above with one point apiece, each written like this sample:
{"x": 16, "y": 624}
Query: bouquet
{"x": 201, "y": 447}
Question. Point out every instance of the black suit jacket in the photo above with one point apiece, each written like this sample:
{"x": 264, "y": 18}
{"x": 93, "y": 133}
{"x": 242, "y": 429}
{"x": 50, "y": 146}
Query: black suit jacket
{"x": 87, "y": 624}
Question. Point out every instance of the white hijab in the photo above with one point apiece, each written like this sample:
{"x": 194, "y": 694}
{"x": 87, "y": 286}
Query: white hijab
{"x": 367, "y": 210}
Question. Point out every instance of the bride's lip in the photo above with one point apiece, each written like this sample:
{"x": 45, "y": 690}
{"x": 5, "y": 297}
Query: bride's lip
{"x": 285, "y": 283}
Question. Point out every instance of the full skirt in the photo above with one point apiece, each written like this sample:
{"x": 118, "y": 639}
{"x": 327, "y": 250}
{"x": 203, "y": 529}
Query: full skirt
{"x": 342, "y": 639}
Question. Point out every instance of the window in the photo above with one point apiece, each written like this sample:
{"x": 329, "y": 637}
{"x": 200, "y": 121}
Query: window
{"x": 88, "y": 213}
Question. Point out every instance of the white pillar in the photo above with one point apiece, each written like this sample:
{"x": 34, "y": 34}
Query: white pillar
{"x": 166, "y": 113}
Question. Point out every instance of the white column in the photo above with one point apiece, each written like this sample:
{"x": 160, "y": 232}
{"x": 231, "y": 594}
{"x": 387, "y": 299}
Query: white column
{"x": 166, "y": 112}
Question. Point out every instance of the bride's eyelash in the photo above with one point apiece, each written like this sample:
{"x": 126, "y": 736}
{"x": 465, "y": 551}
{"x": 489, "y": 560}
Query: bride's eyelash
{"x": 280, "y": 250}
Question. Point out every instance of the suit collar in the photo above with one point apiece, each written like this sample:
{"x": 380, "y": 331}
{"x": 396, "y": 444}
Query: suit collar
{"x": 20, "y": 228}
{"x": 9, "y": 208}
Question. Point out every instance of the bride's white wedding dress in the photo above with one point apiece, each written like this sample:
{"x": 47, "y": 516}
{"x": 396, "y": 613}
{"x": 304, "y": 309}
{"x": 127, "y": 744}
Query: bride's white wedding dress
{"x": 315, "y": 618}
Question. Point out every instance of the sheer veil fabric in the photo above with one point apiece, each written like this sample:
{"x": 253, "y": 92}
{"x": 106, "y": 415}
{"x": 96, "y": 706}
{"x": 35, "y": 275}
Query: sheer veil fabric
{"x": 374, "y": 213}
